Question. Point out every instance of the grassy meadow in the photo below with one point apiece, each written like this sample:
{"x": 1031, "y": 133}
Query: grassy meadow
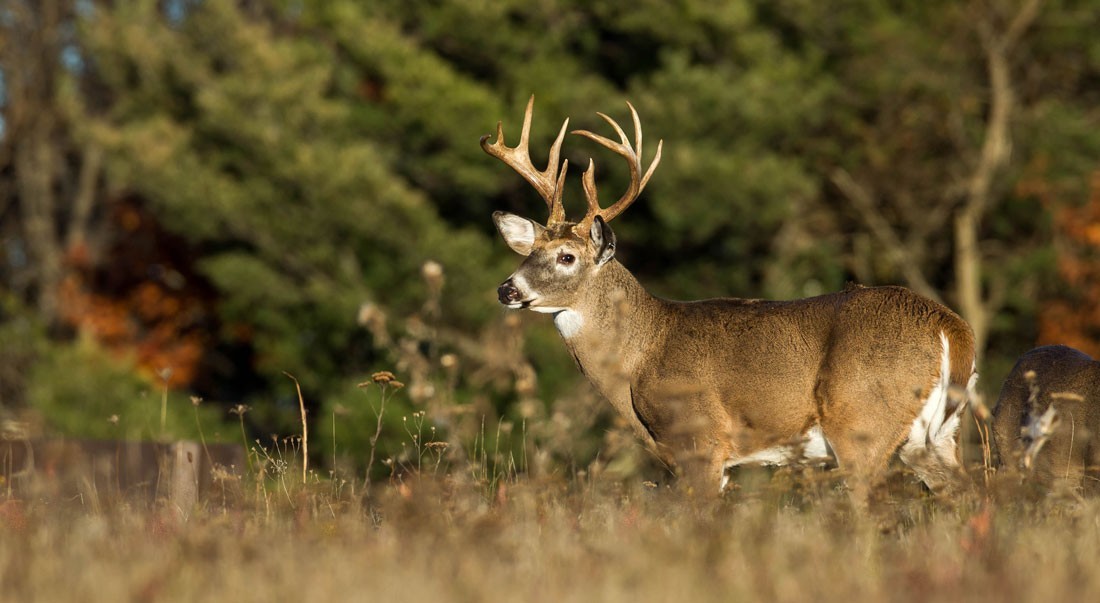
{"x": 497, "y": 511}
{"x": 783, "y": 535}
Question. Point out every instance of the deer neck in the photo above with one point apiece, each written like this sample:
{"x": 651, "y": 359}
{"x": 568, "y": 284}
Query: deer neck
{"x": 614, "y": 323}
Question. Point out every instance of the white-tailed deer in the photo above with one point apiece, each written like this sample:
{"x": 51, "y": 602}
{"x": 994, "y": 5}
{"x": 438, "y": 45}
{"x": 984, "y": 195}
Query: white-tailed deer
{"x": 1048, "y": 418}
{"x": 716, "y": 383}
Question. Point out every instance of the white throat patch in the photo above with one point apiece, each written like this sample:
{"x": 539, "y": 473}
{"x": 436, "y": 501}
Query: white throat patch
{"x": 568, "y": 322}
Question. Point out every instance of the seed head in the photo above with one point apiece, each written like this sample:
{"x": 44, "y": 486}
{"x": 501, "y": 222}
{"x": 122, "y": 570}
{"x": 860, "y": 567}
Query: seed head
{"x": 382, "y": 377}
{"x": 432, "y": 272}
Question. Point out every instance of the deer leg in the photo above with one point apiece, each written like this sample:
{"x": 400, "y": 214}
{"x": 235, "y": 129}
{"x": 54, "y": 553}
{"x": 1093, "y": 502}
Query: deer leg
{"x": 701, "y": 469}
{"x": 862, "y": 456}
{"x": 696, "y": 474}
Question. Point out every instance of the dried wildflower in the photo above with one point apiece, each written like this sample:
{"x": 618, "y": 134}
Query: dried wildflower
{"x": 221, "y": 473}
{"x": 240, "y": 409}
{"x": 529, "y": 407}
{"x": 369, "y": 314}
{"x": 421, "y": 391}
{"x": 373, "y": 318}
{"x": 432, "y": 272}
{"x": 113, "y": 419}
{"x": 196, "y": 400}
{"x": 382, "y": 377}
{"x": 448, "y": 361}
{"x": 978, "y": 407}
{"x": 417, "y": 329}
{"x": 15, "y": 430}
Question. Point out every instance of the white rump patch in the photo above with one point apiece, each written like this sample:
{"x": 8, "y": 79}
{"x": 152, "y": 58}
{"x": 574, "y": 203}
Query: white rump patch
{"x": 930, "y": 448}
{"x": 568, "y": 322}
{"x": 813, "y": 448}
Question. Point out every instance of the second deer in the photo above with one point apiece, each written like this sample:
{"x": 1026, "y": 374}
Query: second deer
{"x": 1047, "y": 419}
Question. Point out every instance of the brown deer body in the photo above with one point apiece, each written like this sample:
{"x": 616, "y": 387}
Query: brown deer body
{"x": 1048, "y": 418}
{"x": 716, "y": 383}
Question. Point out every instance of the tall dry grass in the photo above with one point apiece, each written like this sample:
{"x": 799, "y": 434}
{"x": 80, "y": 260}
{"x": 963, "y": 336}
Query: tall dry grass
{"x": 782, "y": 536}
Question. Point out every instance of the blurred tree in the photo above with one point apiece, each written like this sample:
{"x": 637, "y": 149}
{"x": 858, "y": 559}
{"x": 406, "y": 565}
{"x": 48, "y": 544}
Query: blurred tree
{"x": 50, "y": 177}
{"x": 244, "y": 142}
{"x": 235, "y": 189}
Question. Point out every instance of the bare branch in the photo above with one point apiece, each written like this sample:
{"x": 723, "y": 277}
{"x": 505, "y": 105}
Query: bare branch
{"x": 1027, "y": 15}
{"x": 84, "y": 199}
{"x": 899, "y": 254}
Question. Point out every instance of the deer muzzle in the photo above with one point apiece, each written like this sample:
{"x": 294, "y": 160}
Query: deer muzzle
{"x": 507, "y": 293}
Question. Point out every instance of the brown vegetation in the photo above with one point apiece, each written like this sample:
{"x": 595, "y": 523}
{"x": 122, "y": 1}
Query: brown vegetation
{"x": 1073, "y": 316}
{"x": 789, "y": 537}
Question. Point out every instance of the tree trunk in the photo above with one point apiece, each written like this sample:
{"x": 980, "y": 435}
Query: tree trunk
{"x": 35, "y": 167}
{"x": 996, "y": 151}
{"x": 968, "y": 276}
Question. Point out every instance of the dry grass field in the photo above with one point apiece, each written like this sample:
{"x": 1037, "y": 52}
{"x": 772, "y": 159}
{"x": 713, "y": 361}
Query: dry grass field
{"x": 452, "y": 523}
{"x": 780, "y": 536}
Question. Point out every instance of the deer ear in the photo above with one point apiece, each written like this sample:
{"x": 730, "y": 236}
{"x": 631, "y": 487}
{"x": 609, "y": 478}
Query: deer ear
{"x": 520, "y": 233}
{"x": 603, "y": 239}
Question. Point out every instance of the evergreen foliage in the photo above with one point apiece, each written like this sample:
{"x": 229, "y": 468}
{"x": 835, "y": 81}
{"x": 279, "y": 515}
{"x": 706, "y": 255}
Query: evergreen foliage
{"x": 312, "y": 157}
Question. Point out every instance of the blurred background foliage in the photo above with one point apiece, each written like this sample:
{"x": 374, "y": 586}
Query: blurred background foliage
{"x": 200, "y": 195}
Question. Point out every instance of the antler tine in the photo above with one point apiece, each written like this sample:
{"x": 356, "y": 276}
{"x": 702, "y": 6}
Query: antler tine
{"x": 589, "y": 181}
{"x": 623, "y": 149}
{"x": 549, "y": 182}
{"x": 638, "y": 144}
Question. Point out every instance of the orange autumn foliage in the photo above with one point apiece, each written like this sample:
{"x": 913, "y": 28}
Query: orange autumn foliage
{"x": 136, "y": 300}
{"x": 1072, "y": 315}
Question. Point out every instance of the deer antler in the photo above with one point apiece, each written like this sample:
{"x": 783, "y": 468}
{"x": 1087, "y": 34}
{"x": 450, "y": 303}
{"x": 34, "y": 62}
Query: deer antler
{"x": 549, "y": 182}
{"x": 637, "y": 180}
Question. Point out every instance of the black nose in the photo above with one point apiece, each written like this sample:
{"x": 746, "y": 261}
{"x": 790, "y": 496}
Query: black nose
{"x": 507, "y": 293}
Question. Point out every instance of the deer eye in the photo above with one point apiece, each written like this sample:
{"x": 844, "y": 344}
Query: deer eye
{"x": 566, "y": 259}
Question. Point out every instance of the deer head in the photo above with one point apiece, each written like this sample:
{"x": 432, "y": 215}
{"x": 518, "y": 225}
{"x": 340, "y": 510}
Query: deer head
{"x": 562, "y": 255}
